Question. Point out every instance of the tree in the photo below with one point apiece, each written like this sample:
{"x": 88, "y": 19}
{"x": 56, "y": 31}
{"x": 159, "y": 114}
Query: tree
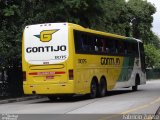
{"x": 15, "y": 15}
{"x": 132, "y": 18}
{"x": 152, "y": 56}
{"x": 115, "y": 19}
{"x": 140, "y": 15}
{"x": 9, "y": 46}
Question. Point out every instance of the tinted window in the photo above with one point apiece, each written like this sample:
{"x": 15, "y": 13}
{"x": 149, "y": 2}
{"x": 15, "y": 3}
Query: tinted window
{"x": 88, "y": 43}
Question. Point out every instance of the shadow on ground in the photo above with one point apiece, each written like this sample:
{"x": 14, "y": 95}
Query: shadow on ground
{"x": 77, "y": 98}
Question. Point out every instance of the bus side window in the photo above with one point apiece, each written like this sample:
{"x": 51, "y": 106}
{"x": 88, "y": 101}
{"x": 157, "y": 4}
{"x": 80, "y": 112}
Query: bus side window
{"x": 120, "y": 47}
{"x": 104, "y": 45}
{"x": 96, "y": 46}
{"x": 78, "y": 41}
{"x": 88, "y": 43}
{"x": 132, "y": 49}
{"x": 135, "y": 49}
{"x": 92, "y": 43}
{"x": 99, "y": 44}
{"x": 85, "y": 43}
{"x": 126, "y": 47}
{"x": 111, "y": 46}
{"x": 129, "y": 48}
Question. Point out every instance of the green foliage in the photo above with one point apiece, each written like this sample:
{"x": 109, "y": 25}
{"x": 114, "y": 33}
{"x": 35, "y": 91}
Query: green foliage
{"x": 115, "y": 19}
{"x": 152, "y": 56}
{"x": 133, "y": 18}
{"x": 141, "y": 18}
{"x": 10, "y": 10}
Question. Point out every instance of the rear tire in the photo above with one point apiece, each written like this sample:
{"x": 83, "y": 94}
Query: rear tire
{"x": 52, "y": 98}
{"x": 93, "y": 89}
{"x": 102, "y": 88}
{"x": 135, "y": 88}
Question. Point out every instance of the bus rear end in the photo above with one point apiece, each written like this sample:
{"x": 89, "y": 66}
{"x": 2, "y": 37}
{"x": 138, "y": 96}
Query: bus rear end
{"x": 45, "y": 58}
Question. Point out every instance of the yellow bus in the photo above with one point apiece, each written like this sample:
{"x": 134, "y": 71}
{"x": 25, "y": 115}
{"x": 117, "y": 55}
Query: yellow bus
{"x": 68, "y": 59}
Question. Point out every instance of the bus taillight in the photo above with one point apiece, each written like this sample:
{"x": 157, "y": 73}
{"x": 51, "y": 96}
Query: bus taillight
{"x": 24, "y": 76}
{"x": 71, "y": 75}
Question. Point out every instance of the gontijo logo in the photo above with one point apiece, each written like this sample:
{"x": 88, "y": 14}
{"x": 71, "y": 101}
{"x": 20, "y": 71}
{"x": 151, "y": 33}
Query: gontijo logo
{"x": 46, "y": 35}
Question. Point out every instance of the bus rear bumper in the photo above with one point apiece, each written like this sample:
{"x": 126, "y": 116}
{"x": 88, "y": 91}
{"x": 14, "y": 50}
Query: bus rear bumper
{"x": 48, "y": 89}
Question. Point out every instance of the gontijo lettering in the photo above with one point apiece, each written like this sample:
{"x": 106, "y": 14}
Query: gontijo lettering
{"x": 110, "y": 61}
{"x": 46, "y": 49}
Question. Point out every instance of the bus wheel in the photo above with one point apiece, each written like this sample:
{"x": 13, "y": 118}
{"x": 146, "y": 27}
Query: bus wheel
{"x": 137, "y": 82}
{"x": 52, "y": 98}
{"x": 102, "y": 88}
{"x": 135, "y": 88}
{"x": 93, "y": 89}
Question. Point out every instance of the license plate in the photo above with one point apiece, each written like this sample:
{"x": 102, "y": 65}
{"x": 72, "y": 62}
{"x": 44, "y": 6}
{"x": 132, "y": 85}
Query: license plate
{"x": 49, "y": 77}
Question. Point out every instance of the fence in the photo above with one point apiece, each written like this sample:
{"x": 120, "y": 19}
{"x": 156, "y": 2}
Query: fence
{"x": 11, "y": 82}
{"x": 153, "y": 73}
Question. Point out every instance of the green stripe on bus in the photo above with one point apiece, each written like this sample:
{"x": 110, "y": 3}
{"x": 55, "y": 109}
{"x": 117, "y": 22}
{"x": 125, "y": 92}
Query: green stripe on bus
{"x": 127, "y": 69}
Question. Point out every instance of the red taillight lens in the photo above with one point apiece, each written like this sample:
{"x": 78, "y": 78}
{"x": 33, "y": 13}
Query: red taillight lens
{"x": 71, "y": 76}
{"x": 24, "y": 76}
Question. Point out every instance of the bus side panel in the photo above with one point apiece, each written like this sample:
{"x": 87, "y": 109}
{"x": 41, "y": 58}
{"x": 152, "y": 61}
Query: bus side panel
{"x": 127, "y": 75}
{"x": 132, "y": 67}
{"x": 90, "y": 66}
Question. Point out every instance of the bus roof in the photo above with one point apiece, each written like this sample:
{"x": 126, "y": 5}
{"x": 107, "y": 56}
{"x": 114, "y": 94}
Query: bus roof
{"x": 75, "y": 26}
{"x": 81, "y": 28}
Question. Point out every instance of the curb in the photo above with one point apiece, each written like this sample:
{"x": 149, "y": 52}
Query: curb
{"x": 11, "y": 100}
